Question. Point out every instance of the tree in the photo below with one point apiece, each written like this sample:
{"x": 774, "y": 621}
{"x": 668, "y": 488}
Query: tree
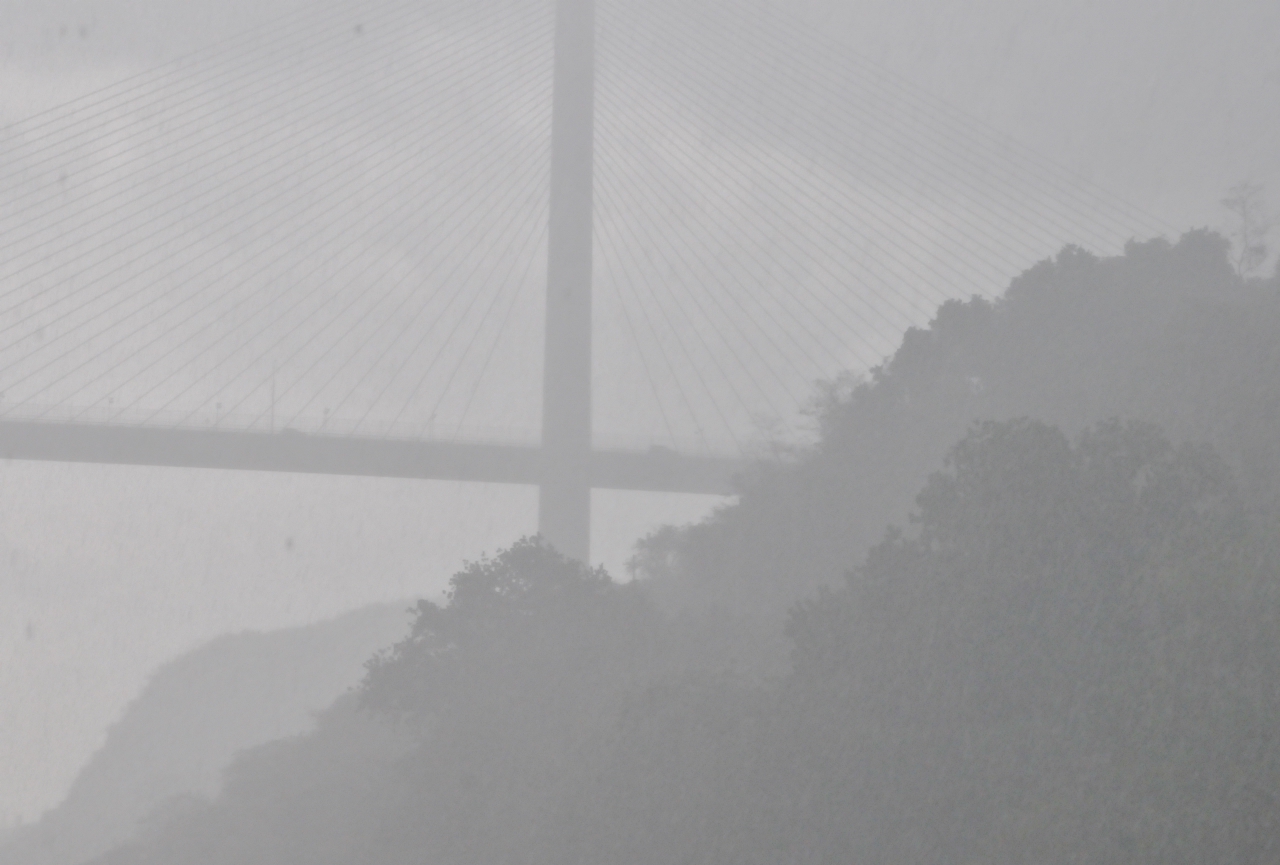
{"x": 1166, "y": 332}
{"x": 462, "y": 741}
{"x": 1068, "y": 656}
{"x": 526, "y": 665}
{"x": 1246, "y": 201}
{"x": 512, "y": 626}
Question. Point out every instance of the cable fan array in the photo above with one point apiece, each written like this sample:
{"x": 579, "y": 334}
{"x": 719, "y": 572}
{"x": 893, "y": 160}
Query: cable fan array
{"x": 320, "y": 237}
{"x": 799, "y": 207}
{"x": 338, "y": 224}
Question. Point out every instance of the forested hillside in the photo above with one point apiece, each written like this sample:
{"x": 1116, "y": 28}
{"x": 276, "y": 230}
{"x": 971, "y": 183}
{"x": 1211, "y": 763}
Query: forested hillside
{"x": 1027, "y": 588}
{"x": 196, "y": 713}
{"x": 1166, "y": 333}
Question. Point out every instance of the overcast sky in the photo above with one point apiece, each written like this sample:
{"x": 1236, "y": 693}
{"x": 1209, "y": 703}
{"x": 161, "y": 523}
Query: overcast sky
{"x": 105, "y": 572}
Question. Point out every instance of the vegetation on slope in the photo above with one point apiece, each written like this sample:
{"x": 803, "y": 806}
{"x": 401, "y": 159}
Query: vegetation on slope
{"x": 1065, "y": 651}
{"x": 1166, "y": 333}
{"x": 195, "y": 714}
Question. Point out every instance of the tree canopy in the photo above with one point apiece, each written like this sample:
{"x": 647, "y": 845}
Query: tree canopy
{"x": 1048, "y": 635}
{"x": 1167, "y": 333}
{"x": 1068, "y": 656}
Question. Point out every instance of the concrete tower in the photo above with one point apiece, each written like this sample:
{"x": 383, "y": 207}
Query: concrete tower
{"x": 564, "y": 496}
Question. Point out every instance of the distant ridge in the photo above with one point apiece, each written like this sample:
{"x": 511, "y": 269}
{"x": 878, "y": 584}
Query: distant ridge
{"x": 195, "y": 714}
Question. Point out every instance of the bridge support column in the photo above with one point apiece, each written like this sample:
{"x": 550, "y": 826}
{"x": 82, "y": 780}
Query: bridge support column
{"x": 564, "y": 496}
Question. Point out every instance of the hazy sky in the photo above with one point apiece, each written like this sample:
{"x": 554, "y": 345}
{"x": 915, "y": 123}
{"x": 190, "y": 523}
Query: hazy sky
{"x": 105, "y": 572}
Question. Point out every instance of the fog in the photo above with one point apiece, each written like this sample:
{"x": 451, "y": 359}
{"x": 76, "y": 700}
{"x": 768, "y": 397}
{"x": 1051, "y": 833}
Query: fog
{"x": 330, "y": 220}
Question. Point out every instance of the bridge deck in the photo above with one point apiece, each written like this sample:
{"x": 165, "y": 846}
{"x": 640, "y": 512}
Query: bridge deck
{"x": 655, "y": 470}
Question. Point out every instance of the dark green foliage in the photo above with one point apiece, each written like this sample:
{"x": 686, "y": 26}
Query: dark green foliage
{"x": 1166, "y": 333}
{"x": 530, "y": 623}
{"x": 1069, "y": 655}
{"x": 195, "y": 714}
{"x": 1069, "y": 658}
{"x": 462, "y": 740}
{"x": 529, "y": 662}
{"x": 1065, "y": 653}
{"x": 334, "y": 796}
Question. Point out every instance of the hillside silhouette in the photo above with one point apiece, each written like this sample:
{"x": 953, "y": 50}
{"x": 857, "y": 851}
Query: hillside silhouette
{"x": 1166, "y": 333}
{"x": 194, "y": 715}
{"x": 1020, "y": 603}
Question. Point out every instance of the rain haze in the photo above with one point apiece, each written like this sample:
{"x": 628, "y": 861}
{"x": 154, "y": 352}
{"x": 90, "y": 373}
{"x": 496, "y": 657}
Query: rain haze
{"x": 312, "y": 310}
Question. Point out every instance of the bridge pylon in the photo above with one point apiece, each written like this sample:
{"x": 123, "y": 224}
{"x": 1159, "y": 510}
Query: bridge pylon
{"x": 564, "y": 494}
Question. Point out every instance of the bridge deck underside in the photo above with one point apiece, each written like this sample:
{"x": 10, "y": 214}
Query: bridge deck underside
{"x": 655, "y": 470}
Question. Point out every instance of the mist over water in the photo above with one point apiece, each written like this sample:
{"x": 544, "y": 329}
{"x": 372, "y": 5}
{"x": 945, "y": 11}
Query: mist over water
{"x": 351, "y": 239}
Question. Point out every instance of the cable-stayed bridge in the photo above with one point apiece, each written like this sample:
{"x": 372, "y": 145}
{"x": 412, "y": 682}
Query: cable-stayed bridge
{"x": 574, "y": 244}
